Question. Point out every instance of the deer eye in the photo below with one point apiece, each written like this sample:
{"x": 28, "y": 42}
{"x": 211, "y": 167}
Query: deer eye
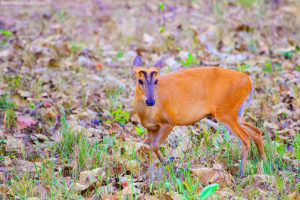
{"x": 155, "y": 82}
{"x": 140, "y": 82}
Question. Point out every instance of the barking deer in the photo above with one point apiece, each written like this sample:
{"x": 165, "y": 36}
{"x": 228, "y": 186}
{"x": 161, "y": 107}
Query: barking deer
{"x": 186, "y": 96}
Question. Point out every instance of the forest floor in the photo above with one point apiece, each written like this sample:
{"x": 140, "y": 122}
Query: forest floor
{"x": 67, "y": 126}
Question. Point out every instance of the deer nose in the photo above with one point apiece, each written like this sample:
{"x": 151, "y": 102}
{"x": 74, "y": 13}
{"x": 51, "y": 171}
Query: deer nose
{"x": 150, "y": 102}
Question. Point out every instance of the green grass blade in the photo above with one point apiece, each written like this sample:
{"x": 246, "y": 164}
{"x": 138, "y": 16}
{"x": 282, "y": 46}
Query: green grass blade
{"x": 208, "y": 190}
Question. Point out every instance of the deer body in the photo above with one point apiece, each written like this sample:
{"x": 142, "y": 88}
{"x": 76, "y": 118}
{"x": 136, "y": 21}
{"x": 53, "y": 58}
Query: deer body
{"x": 186, "y": 96}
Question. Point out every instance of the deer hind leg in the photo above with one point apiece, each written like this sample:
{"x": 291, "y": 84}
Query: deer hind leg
{"x": 252, "y": 131}
{"x": 256, "y": 136}
{"x": 234, "y": 127}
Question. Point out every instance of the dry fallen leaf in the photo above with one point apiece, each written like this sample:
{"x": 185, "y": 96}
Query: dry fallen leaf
{"x": 258, "y": 179}
{"x": 13, "y": 144}
{"x": 128, "y": 191}
{"x": 47, "y": 104}
{"x": 88, "y": 178}
{"x": 132, "y": 166}
{"x": 24, "y": 93}
{"x": 148, "y": 197}
{"x": 2, "y": 177}
{"x": 24, "y": 165}
{"x": 110, "y": 196}
{"x": 172, "y": 196}
{"x": 1, "y": 134}
{"x": 41, "y": 137}
{"x": 213, "y": 175}
{"x": 224, "y": 193}
{"x": 24, "y": 122}
{"x": 3, "y": 189}
{"x": 33, "y": 198}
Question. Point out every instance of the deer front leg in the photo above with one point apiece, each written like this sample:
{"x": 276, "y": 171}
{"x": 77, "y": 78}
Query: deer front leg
{"x": 160, "y": 137}
{"x": 152, "y": 160}
{"x": 155, "y": 139}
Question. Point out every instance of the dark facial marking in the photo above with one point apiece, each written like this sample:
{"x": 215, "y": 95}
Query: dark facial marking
{"x": 145, "y": 74}
{"x": 149, "y": 87}
{"x": 151, "y": 74}
{"x": 140, "y": 82}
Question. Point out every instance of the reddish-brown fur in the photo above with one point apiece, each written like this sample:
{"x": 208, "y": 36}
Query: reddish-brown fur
{"x": 186, "y": 96}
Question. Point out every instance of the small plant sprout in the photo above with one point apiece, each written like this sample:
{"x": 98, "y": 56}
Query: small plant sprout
{"x": 190, "y": 59}
{"x": 140, "y": 130}
{"x": 287, "y": 54}
{"x": 120, "y": 54}
{"x": 161, "y": 5}
{"x": 5, "y": 32}
{"x": 8, "y": 108}
{"x": 187, "y": 189}
{"x": 120, "y": 116}
{"x": 113, "y": 95}
{"x": 61, "y": 14}
{"x": 162, "y": 29}
{"x": 242, "y": 67}
{"x": 268, "y": 67}
{"x": 208, "y": 191}
{"x": 247, "y": 3}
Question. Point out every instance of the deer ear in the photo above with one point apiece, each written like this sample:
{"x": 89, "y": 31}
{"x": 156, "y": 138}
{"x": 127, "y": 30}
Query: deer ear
{"x": 137, "y": 62}
{"x": 159, "y": 64}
